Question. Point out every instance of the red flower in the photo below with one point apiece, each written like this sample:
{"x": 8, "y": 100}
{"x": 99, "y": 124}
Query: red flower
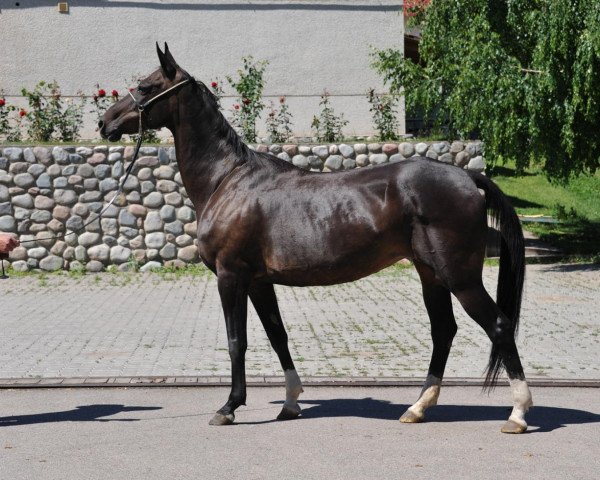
{"x": 102, "y": 93}
{"x": 246, "y": 101}
{"x": 2, "y": 102}
{"x": 281, "y": 99}
{"x": 214, "y": 84}
{"x": 236, "y": 106}
{"x": 114, "y": 93}
{"x": 22, "y": 113}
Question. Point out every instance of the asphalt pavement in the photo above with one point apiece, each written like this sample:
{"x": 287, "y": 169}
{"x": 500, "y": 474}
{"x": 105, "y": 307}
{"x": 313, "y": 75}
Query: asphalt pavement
{"x": 344, "y": 433}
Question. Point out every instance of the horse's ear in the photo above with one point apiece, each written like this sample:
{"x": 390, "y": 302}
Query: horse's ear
{"x": 167, "y": 62}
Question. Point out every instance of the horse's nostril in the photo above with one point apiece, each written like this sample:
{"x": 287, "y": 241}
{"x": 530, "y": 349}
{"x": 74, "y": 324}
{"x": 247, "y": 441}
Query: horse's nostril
{"x": 100, "y": 124}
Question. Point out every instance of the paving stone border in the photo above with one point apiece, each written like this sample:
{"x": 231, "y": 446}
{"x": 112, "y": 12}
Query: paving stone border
{"x": 47, "y": 191}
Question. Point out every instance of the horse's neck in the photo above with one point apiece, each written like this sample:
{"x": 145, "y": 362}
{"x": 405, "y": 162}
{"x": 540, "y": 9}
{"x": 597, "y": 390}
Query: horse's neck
{"x": 205, "y": 155}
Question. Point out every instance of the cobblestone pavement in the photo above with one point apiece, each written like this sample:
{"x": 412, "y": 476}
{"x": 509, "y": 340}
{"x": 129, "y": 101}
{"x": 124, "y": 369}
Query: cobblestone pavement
{"x": 159, "y": 324}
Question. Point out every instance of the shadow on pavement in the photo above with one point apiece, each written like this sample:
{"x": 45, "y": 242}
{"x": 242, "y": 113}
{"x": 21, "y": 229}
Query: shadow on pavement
{"x": 578, "y": 267}
{"x": 540, "y": 418}
{"x": 85, "y": 413}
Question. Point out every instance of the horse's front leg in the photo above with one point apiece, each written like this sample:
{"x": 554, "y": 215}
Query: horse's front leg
{"x": 233, "y": 289}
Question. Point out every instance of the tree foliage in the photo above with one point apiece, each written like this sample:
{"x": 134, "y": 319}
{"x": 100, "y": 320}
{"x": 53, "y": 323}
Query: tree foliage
{"x": 522, "y": 74}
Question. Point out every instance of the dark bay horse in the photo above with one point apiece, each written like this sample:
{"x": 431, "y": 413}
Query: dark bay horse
{"x": 262, "y": 221}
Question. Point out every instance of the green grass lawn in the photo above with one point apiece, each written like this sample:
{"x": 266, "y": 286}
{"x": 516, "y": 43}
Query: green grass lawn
{"x": 576, "y": 204}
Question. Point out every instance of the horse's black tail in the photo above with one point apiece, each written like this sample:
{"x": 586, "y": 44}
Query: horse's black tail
{"x": 512, "y": 264}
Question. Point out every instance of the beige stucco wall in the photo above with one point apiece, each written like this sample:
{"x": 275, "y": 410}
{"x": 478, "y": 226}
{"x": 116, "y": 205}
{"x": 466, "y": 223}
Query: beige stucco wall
{"x": 310, "y": 44}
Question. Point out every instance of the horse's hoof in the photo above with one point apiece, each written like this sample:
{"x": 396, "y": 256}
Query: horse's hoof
{"x": 289, "y": 412}
{"x": 410, "y": 417}
{"x": 220, "y": 419}
{"x": 513, "y": 427}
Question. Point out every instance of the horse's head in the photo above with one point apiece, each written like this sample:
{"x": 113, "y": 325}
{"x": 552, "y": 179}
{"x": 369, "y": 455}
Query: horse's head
{"x": 152, "y": 94}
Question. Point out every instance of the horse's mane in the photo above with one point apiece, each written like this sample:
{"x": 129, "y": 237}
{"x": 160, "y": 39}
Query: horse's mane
{"x": 227, "y": 133}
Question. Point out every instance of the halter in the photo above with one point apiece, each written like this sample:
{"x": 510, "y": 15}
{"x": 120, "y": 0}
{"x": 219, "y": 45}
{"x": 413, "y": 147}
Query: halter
{"x": 141, "y": 107}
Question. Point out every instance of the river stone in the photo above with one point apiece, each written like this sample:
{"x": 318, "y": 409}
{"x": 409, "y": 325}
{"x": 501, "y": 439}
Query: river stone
{"x": 191, "y": 228}
{"x": 108, "y": 185}
{"x": 20, "y": 266}
{"x": 321, "y": 151}
{"x": 163, "y": 156}
{"x": 44, "y": 181}
{"x": 40, "y": 216}
{"x": 69, "y": 253}
{"x": 346, "y": 150}
{"x": 36, "y": 170}
{"x": 406, "y": 149}
{"x": 374, "y": 148}
{"x": 334, "y": 162}
{"x": 76, "y": 266}
{"x": 81, "y": 254}
{"x": 80, "y": 209}
{"x": 151, "y": 265}
{"x": 6, "y": 208}
{"x": 76, "y": 159}
{"x": 21, "y": 213}
{"x": 127, "y": 219}
{"x": 147, "y": 162}
{"x": 175, "y": 228}
{"x": 314, "y": 162}
{"x": 61, "y": 212}
{"x": 14, "y": 154}
{"x": 185, "y": 214}
{"x": 45, "y": 239}
{"x": 91, "y": 196}
{"x": 38, "y": 227}
{"x": 188, "y": 254}
{"x": 168, "y": 213}
{"x": 4, "y": 194}
{"x": 19, "y": 253}
{"x": 432, "y": 154}
{"x": 75, "y": 223}
{"x": 132, "y": 183}
{"x": 137, "y": 210}
{"x": 97, "y": 159}
{"x": 85, "y": 170}
{"x": 184, "y": 240}
{"x": 43, "y": 155}
{"x": 378, "y": 158}
{"x": 75, "y": 180}
{"x": 155, "y": 240}
{"x": 457, "y": 146}
{"x": 153, "y": 200}
{"x": 284, "y": 156}
{"x": 462, "y": 158}
{"x": 37, "y": 252}
{"x": 119, "y": 254}
{"x": 109, "y": 226}
{"x": 115, "y": 157}
{"x": 421, "y": 148}
{"x": 474, "y": 149}
{"x": 168, "y": 252}
{"x": 60, "y": 182}
{"x": 145, "y": 174}
{"x": 102, "y": 171}
{"x": 164, "y": 172}
{"x": 65, "y": 197}
{"x": 60, "y": 155}
{"x": 87, "y": 239}
{"x": 349, "y": 163}
{"x": 389, "y": 149}
{"x": 51, "y": 263}
{"x": 304, "y": 150}
{"x": 100, "y": 253}
{"x": 146, "y": 187}
{"x": 446, "y": 158}
{"x": 396, "y": 158}
{"x": 137, "y": 242}
{"x": 56, "y": 225}
{"x": 127, "y": 233}
{"x": 84, "y": 151}
{"x": 153, "y": 222}
{"x": 93, "y": 266}
{"x": 301, "y": 161}
{"x": 23, "y": 201}
{"x": 8, "y": 224}
{"x": 134, "y": 197}
{"x": 92, "y": 223}
{"x": 440, "y": 147}
{"x": 477, "y": 164}
{"x": 109, "y": 240}
{"x": 58, "y": 248}
{"x": 174, "y": 199}
{"x": 166, "y": 186}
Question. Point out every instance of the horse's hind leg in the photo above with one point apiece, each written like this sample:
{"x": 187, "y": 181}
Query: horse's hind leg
{"x": 264, "y": 300}
{"x": 478, "y": 304}
{"x": 443, "y": 328}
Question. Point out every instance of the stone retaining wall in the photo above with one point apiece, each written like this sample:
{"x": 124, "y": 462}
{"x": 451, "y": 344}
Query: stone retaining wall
{"x": 48, "y": 191}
